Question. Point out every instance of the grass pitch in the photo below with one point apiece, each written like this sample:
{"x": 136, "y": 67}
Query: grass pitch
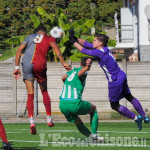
{"x": 65, "y": 136}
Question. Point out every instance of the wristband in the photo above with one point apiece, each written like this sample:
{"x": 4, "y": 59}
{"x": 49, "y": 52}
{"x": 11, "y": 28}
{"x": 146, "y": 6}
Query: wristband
{"x": 17, "y": 67}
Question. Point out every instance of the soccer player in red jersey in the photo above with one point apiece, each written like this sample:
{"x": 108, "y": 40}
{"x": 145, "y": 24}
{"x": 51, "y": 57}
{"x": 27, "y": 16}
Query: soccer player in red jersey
{"x": 34, "y": 67}
{"x": 6, "y": 145}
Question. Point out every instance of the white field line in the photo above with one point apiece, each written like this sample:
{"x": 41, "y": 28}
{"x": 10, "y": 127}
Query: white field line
{"x": 90, "y": 144}
{"x": 76, "y": 143}
{"x": 42, "y": 130}
{"x": 14, "y": 132}
{"x": 125, "y": 132}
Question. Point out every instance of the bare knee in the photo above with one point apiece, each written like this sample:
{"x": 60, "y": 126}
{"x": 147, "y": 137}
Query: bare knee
{"x": 29, "y": 86}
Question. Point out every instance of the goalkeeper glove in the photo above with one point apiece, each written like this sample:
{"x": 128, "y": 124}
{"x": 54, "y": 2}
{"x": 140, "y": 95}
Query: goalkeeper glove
{"x": 71, "y": 32}
{"x": 72, "y": 40}
{"x": 72, "y": 37}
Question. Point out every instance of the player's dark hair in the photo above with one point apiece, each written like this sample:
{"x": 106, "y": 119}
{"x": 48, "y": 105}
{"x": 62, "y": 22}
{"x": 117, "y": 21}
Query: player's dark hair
{"x": 103, "y": 38}
{"x": 41, "y": 28}
{"x": 83, "y": 61}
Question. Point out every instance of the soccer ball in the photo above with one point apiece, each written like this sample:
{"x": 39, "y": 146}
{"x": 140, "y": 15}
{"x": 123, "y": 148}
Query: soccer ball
{"x": 56, "y": 32}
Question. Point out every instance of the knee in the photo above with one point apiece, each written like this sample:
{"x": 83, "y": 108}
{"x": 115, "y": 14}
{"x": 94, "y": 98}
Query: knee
{"x": 93, "y": 108}
{"x": 129, "y": 97}
{"x": 115, "y": 106}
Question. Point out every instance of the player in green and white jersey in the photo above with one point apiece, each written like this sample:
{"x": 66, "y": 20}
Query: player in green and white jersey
{"x": 71, "y": 103}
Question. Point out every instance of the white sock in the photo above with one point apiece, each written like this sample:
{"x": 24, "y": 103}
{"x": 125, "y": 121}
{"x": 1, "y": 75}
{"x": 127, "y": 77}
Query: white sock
{"x": 31, "y": 120}
{"x": 49, "y": 119}
{"x": 94, "y": 135}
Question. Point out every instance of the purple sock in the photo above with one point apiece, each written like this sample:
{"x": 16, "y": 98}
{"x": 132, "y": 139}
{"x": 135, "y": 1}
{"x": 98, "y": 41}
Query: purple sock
{"x": 126, "y": 112}
{"x": 137, "y": 105}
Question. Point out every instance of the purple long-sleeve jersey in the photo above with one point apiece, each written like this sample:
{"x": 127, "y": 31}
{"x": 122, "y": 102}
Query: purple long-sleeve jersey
{"x": 105, "y": 59}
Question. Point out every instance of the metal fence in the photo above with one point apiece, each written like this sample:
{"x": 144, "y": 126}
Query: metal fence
{"x": 126, "y": 33}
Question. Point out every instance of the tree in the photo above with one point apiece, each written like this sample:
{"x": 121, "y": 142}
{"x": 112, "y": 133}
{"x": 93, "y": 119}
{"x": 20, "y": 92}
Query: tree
{"x": 59, "y": 19}
{"x": 79, "y": 9}
{"x": 5, "y": 21}
{"x": 103, "y": 13}
{"x": 15, "y": 16}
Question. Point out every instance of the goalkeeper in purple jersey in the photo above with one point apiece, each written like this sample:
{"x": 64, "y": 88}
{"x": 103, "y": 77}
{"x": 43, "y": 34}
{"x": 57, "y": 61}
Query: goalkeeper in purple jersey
{"x": 117, "y": 80}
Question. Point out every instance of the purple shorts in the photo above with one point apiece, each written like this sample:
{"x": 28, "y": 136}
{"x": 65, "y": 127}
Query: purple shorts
{"x": 118, "y": 88}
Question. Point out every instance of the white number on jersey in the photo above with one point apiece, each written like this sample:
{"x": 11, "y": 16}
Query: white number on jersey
{"x": 70, "y": 78}
{"x": 38, "y": 38}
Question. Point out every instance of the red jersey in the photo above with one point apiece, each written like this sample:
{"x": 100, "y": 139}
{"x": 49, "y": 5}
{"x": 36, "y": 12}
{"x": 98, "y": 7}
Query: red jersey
{"x": 41, "y": 48}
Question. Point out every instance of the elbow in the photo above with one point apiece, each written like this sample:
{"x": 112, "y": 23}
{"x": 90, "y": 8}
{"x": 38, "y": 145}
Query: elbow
{"x": 63, "y": 79}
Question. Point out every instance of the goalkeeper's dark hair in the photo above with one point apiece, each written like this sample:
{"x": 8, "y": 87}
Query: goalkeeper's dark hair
{"x": 103, "y": 38}
{"x": 83, "y": 61}
{"x": 41, "y": 28}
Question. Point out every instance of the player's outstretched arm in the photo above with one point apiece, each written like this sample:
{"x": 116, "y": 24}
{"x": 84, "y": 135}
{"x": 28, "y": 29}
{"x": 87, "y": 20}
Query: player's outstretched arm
{"x": 81, "y": 41}
{"x": 86, "y": 68}
{"x": 17, "y": 71}
{"x": 73, "y": 39}
{"x": 93, "y": 52}
{"x": 58, "y": 53}
{"x": 78, "y": 46}
{"x": 75, "y": 42}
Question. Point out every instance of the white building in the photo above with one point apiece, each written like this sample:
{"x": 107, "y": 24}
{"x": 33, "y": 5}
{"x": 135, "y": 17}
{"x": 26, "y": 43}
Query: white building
{"x": 134, "y": 31}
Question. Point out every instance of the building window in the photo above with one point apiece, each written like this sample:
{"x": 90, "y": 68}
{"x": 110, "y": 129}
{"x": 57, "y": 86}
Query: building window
{"x": 125, "y": 3}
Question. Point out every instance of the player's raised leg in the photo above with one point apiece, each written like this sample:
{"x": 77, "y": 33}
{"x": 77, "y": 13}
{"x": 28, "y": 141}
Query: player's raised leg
{"x": 137, "y": 105}
{"x": 30, "y": 105}
{"x": 127, "y": 113}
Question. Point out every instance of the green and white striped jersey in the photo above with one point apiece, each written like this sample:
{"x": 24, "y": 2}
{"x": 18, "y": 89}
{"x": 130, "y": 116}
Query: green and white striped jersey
{"x": 73, "y": 85}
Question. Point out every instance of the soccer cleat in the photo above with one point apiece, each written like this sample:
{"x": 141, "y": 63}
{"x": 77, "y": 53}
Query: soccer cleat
{"x": 139, "y": 122}
{"x": 7, "y": 146}
{"x": 98, "y": 139}
{"x": 51, "y": 124}
{"x": 33, "y": 129}
{"x": 146, "y": 119}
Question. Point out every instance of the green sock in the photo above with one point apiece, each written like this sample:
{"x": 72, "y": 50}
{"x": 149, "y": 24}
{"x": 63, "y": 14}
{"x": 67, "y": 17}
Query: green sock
{"x": 94, "y": 122}
{"x": 83, "y": 130}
